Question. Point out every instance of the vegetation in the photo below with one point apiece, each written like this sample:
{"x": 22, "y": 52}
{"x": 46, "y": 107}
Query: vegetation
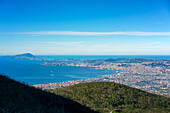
{"x": 108, "y": 97}
{"x": 16, "y": 97}
{"x": 104, "y": 97}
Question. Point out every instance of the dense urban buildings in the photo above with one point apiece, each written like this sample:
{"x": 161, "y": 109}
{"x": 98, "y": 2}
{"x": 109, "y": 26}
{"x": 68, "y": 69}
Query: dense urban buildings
{"x": 151, "y": 75}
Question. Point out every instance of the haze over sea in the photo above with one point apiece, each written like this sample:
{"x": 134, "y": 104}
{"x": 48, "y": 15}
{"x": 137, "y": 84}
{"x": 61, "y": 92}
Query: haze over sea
{"x": 32, "y": 72}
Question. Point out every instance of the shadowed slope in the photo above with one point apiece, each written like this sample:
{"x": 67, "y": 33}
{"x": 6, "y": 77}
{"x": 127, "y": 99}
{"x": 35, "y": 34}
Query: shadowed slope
{"x": 20, "y": 98}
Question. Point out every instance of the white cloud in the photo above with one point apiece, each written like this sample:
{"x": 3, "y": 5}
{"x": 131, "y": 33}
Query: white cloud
{"x": 156, "y": 43}
{"x": 93, "y": 33}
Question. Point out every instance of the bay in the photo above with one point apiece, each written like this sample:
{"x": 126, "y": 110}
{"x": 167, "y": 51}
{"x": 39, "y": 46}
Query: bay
{"x": 32, "y": 72}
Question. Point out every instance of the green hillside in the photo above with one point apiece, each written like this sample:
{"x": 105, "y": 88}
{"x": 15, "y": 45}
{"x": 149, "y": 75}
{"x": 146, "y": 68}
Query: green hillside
{"x": 104, "y": 97}
{"x": 20, "y": 98}
{"x": 109, "y": 97}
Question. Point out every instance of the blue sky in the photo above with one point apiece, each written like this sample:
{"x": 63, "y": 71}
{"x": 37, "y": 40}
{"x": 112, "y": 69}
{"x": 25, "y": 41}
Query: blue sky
{"x": 85, "y": 27}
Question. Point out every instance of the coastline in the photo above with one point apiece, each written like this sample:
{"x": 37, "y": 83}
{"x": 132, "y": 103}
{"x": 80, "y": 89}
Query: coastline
{"x": 149, "y": 75}
{"x": 68, "y": 83}
{"x": 106, "y": 78}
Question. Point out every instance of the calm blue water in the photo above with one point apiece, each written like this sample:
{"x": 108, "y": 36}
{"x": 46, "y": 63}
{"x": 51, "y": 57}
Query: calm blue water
{"x": 32, "y": 72}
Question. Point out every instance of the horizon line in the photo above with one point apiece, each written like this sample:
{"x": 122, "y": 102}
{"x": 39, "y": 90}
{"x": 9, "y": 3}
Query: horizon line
{"x": 87, "y": 55}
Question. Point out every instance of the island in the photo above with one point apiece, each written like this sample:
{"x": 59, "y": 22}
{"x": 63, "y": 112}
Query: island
{"x": 21, "y": 56}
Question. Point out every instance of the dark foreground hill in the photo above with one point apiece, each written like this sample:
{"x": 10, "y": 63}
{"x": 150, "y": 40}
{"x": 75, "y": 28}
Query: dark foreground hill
{"x": 102, "y": 97}
{"x": 16, "y": 97}
{"x": 109, "y": 97}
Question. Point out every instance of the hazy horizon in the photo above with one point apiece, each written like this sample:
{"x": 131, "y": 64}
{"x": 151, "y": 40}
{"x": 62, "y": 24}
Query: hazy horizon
{"x": 111, "y": 27}
{"x": 81, "y": 55}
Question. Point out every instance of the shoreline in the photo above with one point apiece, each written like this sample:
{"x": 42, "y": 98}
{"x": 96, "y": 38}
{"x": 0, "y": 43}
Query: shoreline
{"x": 67, "y": 83}
{"x": 149, "y": 75}
{"x": 104, "y": 78}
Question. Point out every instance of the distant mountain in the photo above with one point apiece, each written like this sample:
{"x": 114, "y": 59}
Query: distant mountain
{"x": 24, "y": 56}
{"x": 16, "y": 97}
{"x": 110, "y": 97}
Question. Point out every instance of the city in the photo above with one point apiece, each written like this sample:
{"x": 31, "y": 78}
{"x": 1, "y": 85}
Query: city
{"x": 151, "y": 75}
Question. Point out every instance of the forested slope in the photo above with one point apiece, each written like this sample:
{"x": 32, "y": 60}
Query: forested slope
{"x": 108, "y": 96}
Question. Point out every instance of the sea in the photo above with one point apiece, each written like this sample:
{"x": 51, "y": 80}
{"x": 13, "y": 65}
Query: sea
{"x": 33, "y": 72}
